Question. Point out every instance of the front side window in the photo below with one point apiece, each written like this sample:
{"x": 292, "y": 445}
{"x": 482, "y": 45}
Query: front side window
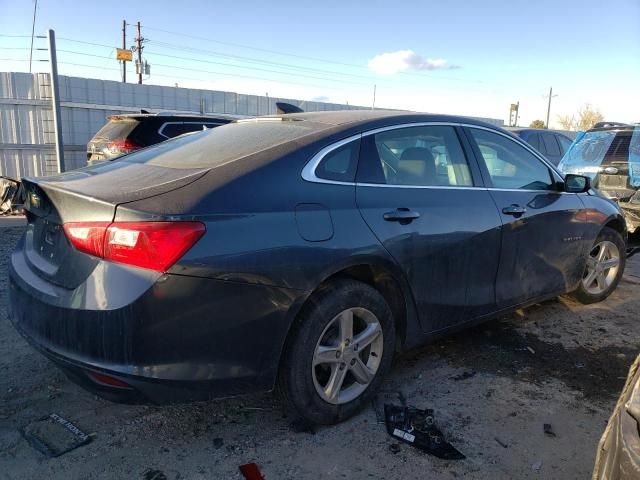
{"x": 509, "y": 164}
{"x": 414, "y": 156}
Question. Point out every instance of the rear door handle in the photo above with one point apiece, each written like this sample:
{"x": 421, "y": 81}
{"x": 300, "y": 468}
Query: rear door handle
{"x": 402, "y": 215}
{"x": 515, "y": 210}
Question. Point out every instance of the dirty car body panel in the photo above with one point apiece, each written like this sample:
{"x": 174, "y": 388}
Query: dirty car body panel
{"x": 215, "y": 321}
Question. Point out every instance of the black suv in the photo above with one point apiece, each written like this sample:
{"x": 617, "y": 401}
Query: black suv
{"x": 124, "y": 133}
{"x": 552, "y": 145}
{"x": 609, "y": 154}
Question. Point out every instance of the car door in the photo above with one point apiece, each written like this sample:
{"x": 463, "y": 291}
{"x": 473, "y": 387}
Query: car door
{"x": 424, "y": 201}
{"x": 543, "y": 227}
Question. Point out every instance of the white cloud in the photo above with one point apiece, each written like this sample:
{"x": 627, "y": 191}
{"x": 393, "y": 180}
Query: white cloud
{"x": 394, "y": 62}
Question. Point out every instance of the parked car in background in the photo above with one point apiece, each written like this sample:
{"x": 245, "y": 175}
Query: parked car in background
{"x": 552, "y": 145}
{"x": 302, "y": 251}
{"x": 123, "y": 134}
{"x": 609, "y": 154}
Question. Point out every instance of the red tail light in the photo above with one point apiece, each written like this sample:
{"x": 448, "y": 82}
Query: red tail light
{"x": 153, "y": 245}
{"x": 122, "y": 146}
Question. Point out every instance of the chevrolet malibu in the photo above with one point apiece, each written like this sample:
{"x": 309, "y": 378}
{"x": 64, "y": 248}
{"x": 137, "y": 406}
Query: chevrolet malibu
{"x": 299, "y": 252}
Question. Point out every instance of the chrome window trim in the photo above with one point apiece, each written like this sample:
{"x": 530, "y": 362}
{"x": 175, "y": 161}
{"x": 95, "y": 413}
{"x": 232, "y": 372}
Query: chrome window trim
{"x": 309, "y": 170}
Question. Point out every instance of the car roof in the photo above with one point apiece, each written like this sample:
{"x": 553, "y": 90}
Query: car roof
{"x": 353, "y": 118}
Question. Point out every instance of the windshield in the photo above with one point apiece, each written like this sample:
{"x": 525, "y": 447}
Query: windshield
{"x": 116, "y": 129}
{"x": 586, "y": 154}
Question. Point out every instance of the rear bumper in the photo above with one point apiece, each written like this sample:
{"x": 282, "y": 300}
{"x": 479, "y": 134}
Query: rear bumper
{"x": 184, "y": 338}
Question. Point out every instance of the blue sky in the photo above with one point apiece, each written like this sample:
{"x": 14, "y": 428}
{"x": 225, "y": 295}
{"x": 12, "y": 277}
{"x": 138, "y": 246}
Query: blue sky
{"x": 465, "y": 57}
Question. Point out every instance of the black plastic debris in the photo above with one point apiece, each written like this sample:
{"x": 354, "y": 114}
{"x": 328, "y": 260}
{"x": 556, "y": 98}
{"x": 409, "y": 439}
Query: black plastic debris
{"x": 150, "y": 474}
{"x": 53, "y": 435}
{"x": 417, "y": 428}
{"x": 382, "y": 397}
{"x": 394, "y": 448}
{"x": 548, "y": 430}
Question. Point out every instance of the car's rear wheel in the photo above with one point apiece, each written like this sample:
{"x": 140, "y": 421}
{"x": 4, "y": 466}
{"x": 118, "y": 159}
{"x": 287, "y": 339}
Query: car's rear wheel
{"x": 604, "y": 267}
{"x": 341, "y": 347}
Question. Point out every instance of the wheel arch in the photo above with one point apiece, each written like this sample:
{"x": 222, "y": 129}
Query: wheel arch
{"x": 386, "y": 279}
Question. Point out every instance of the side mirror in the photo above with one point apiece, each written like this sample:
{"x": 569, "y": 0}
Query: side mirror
{"x": 576, "y": 183}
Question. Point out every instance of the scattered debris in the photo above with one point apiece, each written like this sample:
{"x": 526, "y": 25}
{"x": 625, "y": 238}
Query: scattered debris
{"x": 218, "y": 442}
{"x": 536, "y": 467}
{"x": 151, "y": 474}
{"x": 500, "y": 442}
{"x": 417, "y": 427}
{"x": 251, "y": 471}
{"x": 533, "y": 352}
{"x": 548, "y": 430}
{"x": 463, "y": 376}
{"x": 11, "y": 194}
{"x": 383, "y": 397}
{"x": 394, "y": 448}
{"x": 54, "y": 436}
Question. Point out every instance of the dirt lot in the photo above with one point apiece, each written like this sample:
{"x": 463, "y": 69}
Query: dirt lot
{"x": 559, "y": 363}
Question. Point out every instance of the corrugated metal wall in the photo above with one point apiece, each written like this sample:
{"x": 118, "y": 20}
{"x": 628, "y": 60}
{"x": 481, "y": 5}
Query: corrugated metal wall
{"x": 26, "y": 119}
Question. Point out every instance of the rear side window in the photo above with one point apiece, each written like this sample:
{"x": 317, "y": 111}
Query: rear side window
{"x": 414, "y": 156}
{"x": 340, "y": 164}
{"x": 550, "y": 144}
{"x": 171, "y": 130}
{"x": 510, "y": 165}
{"x": 564, "y": 142}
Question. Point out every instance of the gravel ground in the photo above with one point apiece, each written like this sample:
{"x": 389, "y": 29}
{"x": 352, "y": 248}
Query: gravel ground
{"x": 492, "y": 388}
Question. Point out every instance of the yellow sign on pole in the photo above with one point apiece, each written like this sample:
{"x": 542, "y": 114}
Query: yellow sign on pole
{"x": 124, "y": 54}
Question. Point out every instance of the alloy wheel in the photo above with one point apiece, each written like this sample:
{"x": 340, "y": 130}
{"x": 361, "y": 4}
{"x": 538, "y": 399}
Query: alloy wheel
{"x": 347, "y": 355}
{"x": 602, "y": 267}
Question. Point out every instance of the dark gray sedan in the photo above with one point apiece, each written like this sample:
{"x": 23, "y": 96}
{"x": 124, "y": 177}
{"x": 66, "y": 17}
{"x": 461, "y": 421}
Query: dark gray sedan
{"x": 300, "y": 251}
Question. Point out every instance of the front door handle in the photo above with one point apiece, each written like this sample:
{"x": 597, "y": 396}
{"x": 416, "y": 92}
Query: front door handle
{"x": 515, "y": 210}
{"x": 402, "y": 215}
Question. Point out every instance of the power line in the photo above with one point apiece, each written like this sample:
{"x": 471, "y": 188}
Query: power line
{"x": 259, "y": 69}
{"x": 252, "y": 59}
{"x": 304, "y": 57}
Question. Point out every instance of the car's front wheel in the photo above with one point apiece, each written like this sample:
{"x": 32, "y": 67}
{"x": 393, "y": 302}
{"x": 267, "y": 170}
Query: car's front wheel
{"x": 342, "y": 345}
{"x": 604, "y": 267}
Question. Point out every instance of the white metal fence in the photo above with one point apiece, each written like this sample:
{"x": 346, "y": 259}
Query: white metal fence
{"x": 26, "y": 120}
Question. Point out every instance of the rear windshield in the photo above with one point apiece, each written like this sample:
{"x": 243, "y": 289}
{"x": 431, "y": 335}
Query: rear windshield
{"x": 116, "y": 129}
{"x": 599, "y": 149}
{"x": 220, "y": 145}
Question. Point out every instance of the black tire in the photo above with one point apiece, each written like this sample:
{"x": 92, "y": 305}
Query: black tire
{"x": 296, "y": 384}
{"x": 581, "y": 294}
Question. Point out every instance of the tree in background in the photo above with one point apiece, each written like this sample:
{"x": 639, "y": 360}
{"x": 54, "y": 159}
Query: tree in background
{"x": 587, "y": 117}
{"x": 537, "y": 124}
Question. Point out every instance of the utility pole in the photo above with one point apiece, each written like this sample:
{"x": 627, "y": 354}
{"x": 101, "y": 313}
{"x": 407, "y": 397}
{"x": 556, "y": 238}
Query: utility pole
{"x": 373, "y": 105}
{"x": 55, "y": 101}
{"x": 549, "y": 106}
{"x": 33, "y": 29}
{"x": 124, "y": 47}
{"x": 139, "y": 48}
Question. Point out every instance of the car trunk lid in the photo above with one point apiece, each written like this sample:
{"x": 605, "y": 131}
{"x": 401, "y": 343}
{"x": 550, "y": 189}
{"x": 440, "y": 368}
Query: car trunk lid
{"x": 89, "y": 195}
